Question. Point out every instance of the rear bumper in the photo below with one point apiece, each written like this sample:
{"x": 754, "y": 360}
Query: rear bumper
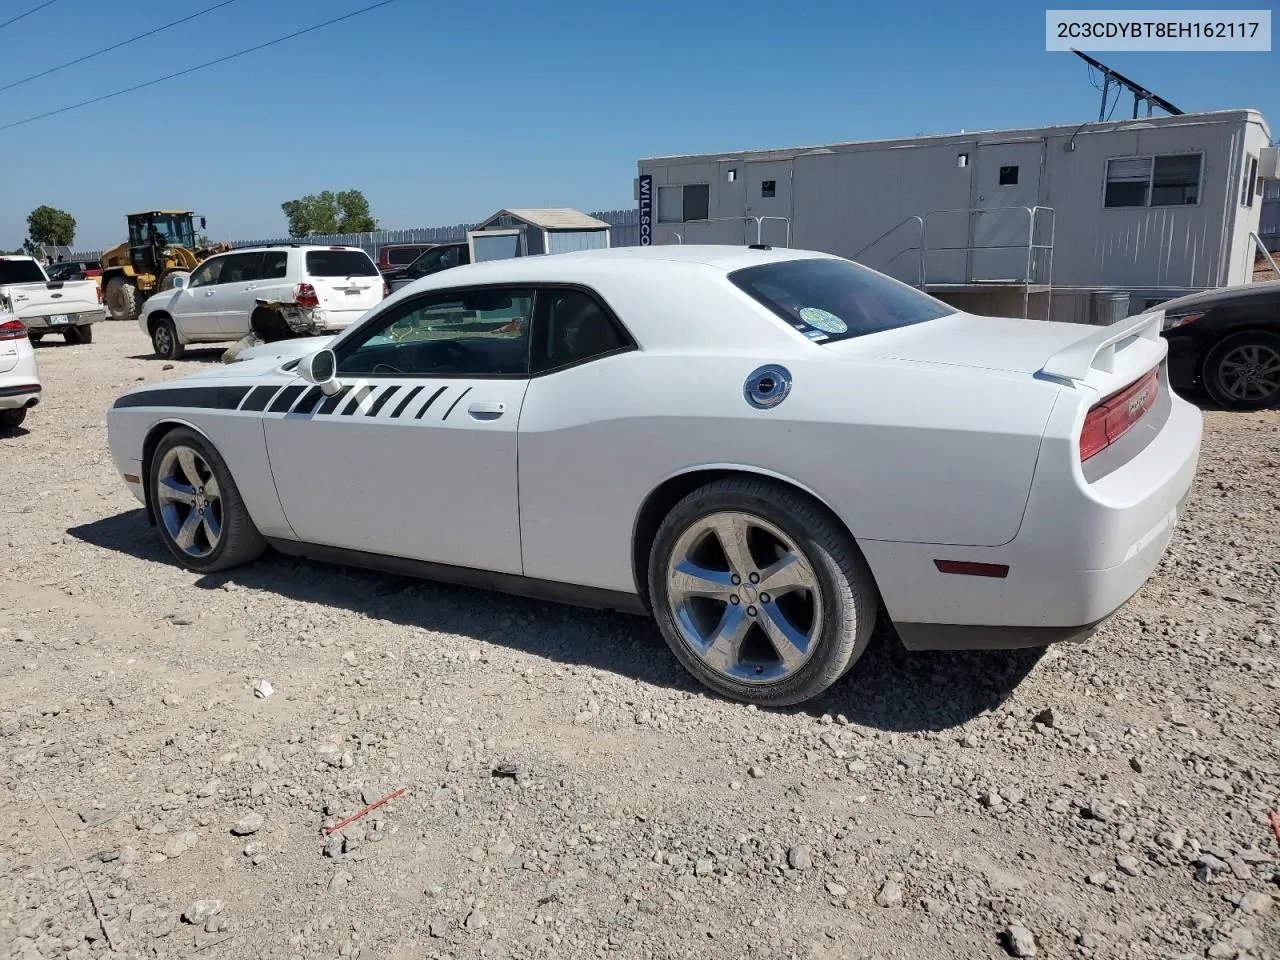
{"x": 1084, "y": 549}
{"x": 42, "y": 324}
{"x": 24, "y": 395}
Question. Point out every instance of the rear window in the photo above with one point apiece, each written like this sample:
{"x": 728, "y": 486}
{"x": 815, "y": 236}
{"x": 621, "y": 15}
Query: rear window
{"x": 340, "y": 263}
{"x": 837, "y": 299}
{"x": 20, "y": 271}
{"x": 403, "y": 254}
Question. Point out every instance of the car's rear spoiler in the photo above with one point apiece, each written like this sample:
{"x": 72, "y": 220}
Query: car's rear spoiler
{"x": 1097, "y": 350}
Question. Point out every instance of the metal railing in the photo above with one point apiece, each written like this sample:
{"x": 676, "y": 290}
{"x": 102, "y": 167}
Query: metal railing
{"x": 1262, "y": 248}
{"x": 746, "y": 221}
{"x": 919, "y": 222}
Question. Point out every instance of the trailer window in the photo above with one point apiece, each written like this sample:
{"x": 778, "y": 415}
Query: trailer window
{"x": 1170, "y": 181}
{"x": 831, "y": 299}
{"x": 1249, "y": 189}
{"x": 682, "y": 203}
{"x": 1175, "y": 181}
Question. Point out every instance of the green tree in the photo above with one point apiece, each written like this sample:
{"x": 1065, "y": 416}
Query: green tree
{"x": 327, "y": 213}
{"x": 52, "y": 226}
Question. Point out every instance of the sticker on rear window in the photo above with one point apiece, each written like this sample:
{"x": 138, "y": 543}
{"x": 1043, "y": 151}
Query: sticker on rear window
{"x": 815, "y": 334}
{"x": 823, "y": 320}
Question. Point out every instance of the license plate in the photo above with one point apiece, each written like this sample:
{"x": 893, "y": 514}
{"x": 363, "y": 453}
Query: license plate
{"x": 59, "y": 318}
{"x": 353, "y": 291}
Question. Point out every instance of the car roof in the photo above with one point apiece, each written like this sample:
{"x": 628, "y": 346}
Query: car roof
{"x": 561, "y": 266}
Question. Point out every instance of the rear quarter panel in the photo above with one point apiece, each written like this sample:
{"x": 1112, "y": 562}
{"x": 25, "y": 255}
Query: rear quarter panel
{"x": 237, "y": 435}
{"x": 899, "y": 451}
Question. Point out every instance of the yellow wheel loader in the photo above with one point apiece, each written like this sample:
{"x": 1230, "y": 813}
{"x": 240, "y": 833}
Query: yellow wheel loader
{"x": 161, "y": 243}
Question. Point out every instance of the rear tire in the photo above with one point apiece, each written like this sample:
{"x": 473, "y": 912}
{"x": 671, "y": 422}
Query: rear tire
{"x": 1242, "y": 371}
{"x": 35, "y": 337}
{"x": 122, "y": 299}
{"x": 202, "y": 519}
{"x": 12, "y": 419}
{"x": 164, "y": 339}
{"x": 80, "y": 334}
{"x": 772, "y": 646}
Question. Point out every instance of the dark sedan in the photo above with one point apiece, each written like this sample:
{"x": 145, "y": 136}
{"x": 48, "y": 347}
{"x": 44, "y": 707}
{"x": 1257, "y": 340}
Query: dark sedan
{"x": 1227, "y": 341}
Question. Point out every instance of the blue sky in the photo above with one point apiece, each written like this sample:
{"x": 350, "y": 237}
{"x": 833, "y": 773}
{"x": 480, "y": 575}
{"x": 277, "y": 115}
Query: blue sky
{"x": 443, "y": 112}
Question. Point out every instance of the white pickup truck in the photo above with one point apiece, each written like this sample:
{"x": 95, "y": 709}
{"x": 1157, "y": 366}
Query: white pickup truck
{"x": 69, "y": 307}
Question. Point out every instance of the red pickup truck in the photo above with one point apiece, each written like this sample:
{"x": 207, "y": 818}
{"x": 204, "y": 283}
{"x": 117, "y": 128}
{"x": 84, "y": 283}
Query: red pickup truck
{"x": 397, "y": 256}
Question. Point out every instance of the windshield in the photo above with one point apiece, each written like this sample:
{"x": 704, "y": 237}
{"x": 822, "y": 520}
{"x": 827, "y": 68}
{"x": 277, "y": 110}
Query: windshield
{"x": 169, "y": 229}
{"x": 837, "y": 299}
{"x": 20, "y": 271}
{"x": 340, "y": 263}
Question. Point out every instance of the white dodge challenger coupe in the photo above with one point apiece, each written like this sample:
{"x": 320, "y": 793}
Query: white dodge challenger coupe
{"x": 758, "y": 447}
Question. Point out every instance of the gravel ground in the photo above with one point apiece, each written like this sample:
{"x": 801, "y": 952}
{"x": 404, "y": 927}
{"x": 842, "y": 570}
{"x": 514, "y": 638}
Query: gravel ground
{"x": 1108, "y": 799}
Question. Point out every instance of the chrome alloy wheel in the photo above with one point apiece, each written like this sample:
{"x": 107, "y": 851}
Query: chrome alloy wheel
{"x": 190, "y": 502}
{"x": 1250, "y": 372}
{"x": 745, "y": 598}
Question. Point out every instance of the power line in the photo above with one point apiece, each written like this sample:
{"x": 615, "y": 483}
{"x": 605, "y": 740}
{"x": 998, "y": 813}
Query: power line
{"x": 27, "y": 14}
{"x": 199, "y": 66}
{"x": 117, "y": 46}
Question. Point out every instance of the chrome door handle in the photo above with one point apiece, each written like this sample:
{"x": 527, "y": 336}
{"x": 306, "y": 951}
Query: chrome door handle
{"x": 487, "y": 411}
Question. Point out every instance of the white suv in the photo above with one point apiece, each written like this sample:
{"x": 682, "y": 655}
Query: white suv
{"x": 276, "y": 292}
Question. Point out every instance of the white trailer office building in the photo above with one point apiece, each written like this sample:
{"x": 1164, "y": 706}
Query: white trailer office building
{"x": 1081, "y": 222}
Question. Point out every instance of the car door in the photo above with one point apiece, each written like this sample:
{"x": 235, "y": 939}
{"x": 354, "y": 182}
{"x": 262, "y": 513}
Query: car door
{"x": 241, "y": 277}
{"x": 194, "y": 307}
{"x": 415, "y": 456}
{"x": 274, "y": 283}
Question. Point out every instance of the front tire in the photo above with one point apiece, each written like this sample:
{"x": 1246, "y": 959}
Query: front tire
{"x": 122, "y": 299}
{"x": 79, "y": 334}
{"x": 11, "y": 419}
{"x": 197, "y": 506}
{"x": 1242, "y": 371}
{"x": 760, "y": 593}
{"x": 164, "y": 339}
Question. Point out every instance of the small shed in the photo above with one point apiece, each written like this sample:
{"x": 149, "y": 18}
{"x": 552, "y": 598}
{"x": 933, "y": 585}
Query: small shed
{"x": 52, "y": 252}
{"x": 526, "y": 232}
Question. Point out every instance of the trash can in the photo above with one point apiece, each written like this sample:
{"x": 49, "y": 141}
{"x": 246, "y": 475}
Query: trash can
{"x": 1109, "y": 306}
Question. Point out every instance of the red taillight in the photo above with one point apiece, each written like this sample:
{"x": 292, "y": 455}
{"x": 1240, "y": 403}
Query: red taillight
{"x": 99, "y": 289}
{"x": 13, "y": 330}
{"x": 304, "y": 295}
{"x": 1111, "y": 419}
{"x": 386, "y": 289}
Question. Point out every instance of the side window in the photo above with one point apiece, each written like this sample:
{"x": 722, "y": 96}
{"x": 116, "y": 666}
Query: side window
{"x": 208, "y": 273}
{"x": 572, "y": 327}
{"x": 473, "y": 333}
{"x": 242, "y": 267}
{"x": 275, "y": 264}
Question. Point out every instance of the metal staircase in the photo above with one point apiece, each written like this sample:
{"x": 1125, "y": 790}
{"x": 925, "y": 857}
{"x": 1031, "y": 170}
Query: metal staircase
{"x": 1005, "y": 248}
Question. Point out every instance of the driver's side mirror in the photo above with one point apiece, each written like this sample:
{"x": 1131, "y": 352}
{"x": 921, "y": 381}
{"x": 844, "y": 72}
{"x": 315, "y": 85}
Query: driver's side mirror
{"x": 321, "y": 368}
{"x": 202, "y": 223}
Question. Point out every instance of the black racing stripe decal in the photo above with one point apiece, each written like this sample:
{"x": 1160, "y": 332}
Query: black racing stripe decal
{"x": 332, "y": 402}
{"x": 405, "y": 402}
{"x": 356, "y": 400}
{"x": 210, "y": 398}
{"x": 284, "y": 399}
{"x": 383, "y": 397}
{"x": 308, "y": 403}
{"x": 454, "y": 404}
{"x": 259, "y": 397}
{"x": 430, "y": 400}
